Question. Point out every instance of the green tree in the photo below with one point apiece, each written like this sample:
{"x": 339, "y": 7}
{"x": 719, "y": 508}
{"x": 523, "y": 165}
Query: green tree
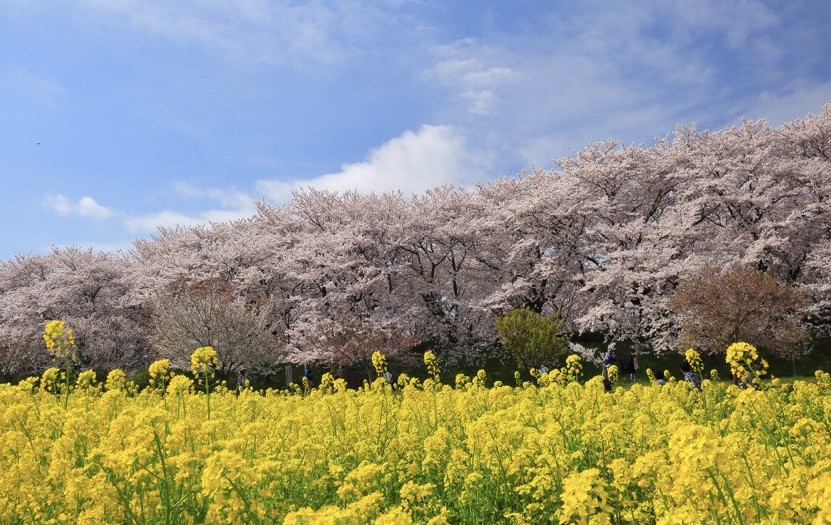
{"x": 532, "y": 338}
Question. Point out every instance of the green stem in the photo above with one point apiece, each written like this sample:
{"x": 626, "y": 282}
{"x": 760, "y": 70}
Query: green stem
{"x": 208, "y": 392}
{"x": 66, "y": 385}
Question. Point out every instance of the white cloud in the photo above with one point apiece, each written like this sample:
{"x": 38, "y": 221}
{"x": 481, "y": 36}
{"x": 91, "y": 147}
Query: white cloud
{"x": 228, "y": 198}
{"x": 305, "y": 35}
{"x": 164, "y": 219}
{"x": 629, "y": 72}
{"x": 465, "y": 68}
{"x": 58, "y": 203}
{"x": 85, "y": 207}
{"x": 480, "y": 102}
{"x": 151, "y": 222}
{"x": 278, "y": 190}
{"x": 800, "y": 99}
{"x": 412, "y": 162}
{"x": 236, "y": 205}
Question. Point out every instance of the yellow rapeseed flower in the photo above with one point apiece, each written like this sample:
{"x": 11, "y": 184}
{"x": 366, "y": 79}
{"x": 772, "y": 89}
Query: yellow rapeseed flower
{"x": 60, "y": 341}
{"x": 116, "y": 380}
{"x": 695, "y": 361}
{"x": 204, "y": 360}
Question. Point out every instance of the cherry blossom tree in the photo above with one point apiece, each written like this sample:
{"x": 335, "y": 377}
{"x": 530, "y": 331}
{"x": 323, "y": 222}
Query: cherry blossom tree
{"x": 209, "y": 315}
{"x": 85, "y": 289}
{"x": 717, "y": 308}
{"x": 605, "y": 239}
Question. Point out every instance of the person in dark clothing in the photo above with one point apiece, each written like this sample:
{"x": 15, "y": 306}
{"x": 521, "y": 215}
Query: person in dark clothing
{"x": 689, "y": 375}
{"x": 308, "y": 379}
{"x": 629, "y": 365}
{"x": 608, "y": 360}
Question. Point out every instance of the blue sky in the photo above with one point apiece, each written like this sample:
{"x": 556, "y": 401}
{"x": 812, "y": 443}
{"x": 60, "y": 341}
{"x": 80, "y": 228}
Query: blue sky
{"x": 119, "y": 116}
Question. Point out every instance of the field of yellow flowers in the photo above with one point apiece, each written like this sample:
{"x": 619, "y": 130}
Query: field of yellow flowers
{"x": 552, "y": 451}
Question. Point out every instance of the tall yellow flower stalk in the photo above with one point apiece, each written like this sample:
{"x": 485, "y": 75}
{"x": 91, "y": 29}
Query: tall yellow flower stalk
{"x": 60, "y": 342}
{"x": 695, "y": 361}
{"x": 379, "y": 362}
{"x": 116, "y": 381}
{"x": 745, "y": 363}
{"x": 160, "y": 374}
{"x": 573, "y": 369}
{"x": 203, "y": 364}
{"x": 432, "y": 363}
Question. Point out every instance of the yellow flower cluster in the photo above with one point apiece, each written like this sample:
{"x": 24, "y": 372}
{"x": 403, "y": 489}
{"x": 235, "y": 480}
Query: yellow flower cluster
{"x": 159, "y": 373}
{"x": 51, "y": 379}
{"x": 573, "y": 369}
{"x": 427, "y": 453}
{"x": 613, "y": 373}
{"x": 432, "y": 363}
{"x": 87, "y": 381}
{"x": 379, "y": 362}
{"x": 60, "y": 341}
{"x": 694, "y": 359}
{"x": 745, "y": 363}
{"x": 204, "y": 360}
{"x": 116, "y": 380}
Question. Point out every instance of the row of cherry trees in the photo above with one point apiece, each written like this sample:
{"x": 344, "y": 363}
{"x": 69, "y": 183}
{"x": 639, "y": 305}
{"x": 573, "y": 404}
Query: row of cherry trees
{"x": 604, "y": 240}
